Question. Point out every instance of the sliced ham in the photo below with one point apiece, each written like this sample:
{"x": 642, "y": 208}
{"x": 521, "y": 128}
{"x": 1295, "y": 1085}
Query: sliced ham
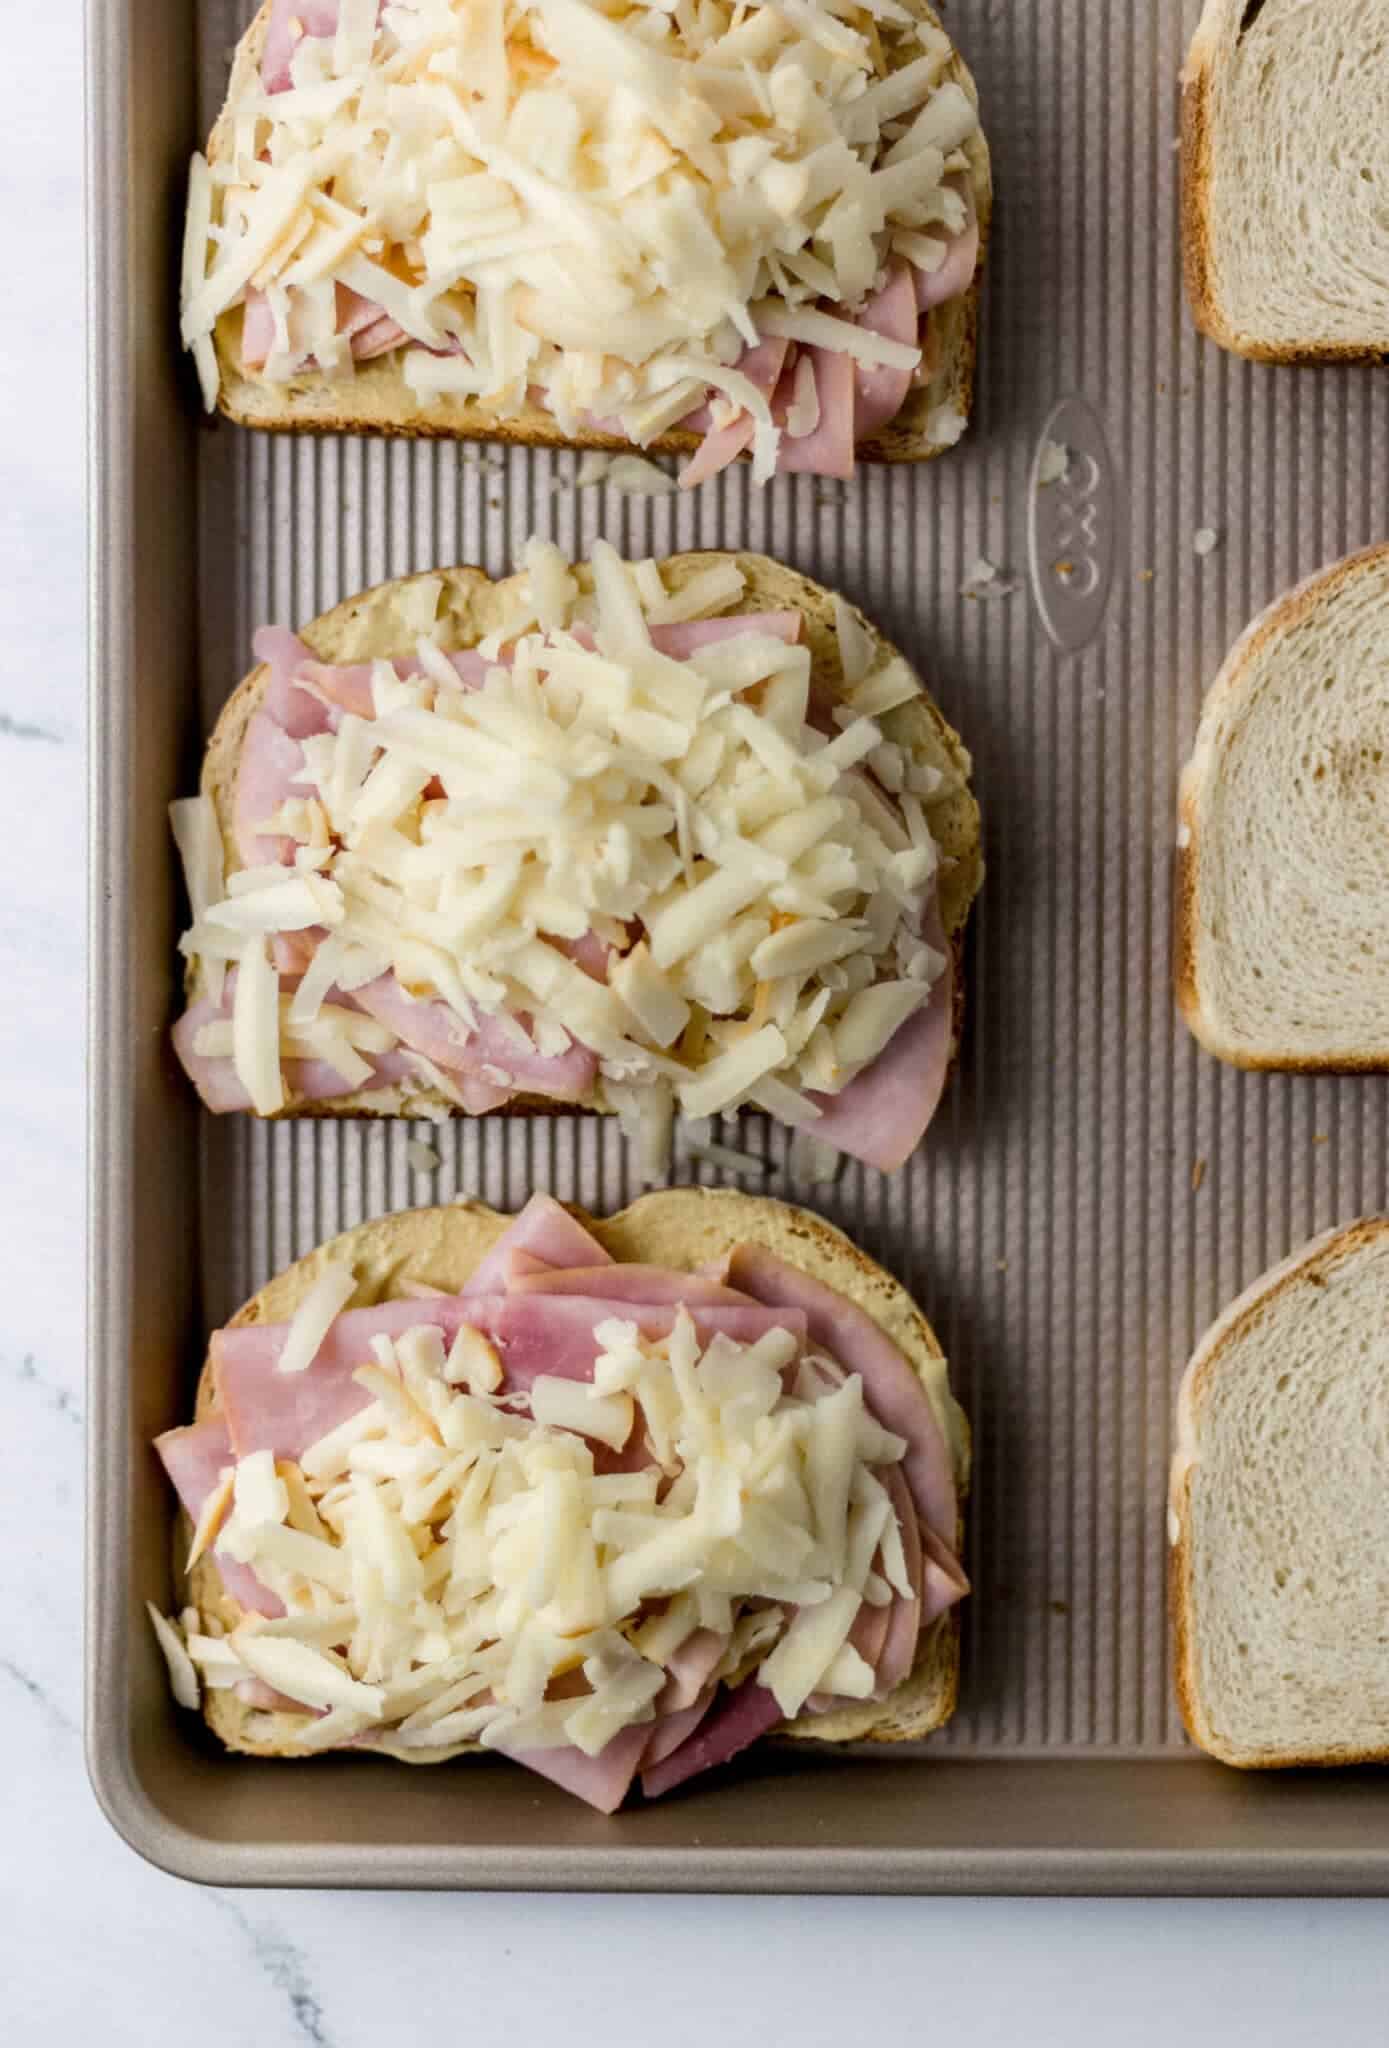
{"x": 891, "y": 1390}
{"x": 267, "y": 1410}
{"x": 762, "y": 364}
{"x": 943, "y": 1582}
{"x": 649, "y": 1286}
{"x": 554, "y": 1333}
{"x": 685, "y": 638}
{"x": 289, "y": 22}
{"x": 602, "y": 1781}
{"x": 669, "y": 1731}
{"x": 545, "y": 1231}
{"x": 590, "y": 954}
{"x": 734, "y": 1722}
{"x": 285, "y": 654}
{"x": 195, "y": 1459}
{"x": 897, "y": 1651}
{"x": 828, "y": 450}
{"x": 956, "y": 273}
{"x": 870, "y": 1630}
{"x": 221, "y": 1089}
{"x": 882, "y": 1115}
{"x": 268, "y": 770}
{"x": 490, "y": 1051}
{"x": 880, "y": 391}
{"x": 691, "y": 1670}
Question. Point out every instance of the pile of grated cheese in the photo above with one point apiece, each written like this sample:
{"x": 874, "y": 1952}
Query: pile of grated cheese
{"x": 596, "y": 785}
{"x": 597, "y": 204}
{"x": 443, "y": 1561}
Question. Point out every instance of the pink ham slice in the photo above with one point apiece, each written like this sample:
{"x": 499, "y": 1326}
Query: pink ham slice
{"x": 669, "y": 1731}
{"x": 956, "y": 273}
{"x": 897, "y": 1651}
{"x": 268, "y": 772}
{"x": 590, "y": 954}
{"x": 879, "y": 391}
{"x": 649, "y": 1286}
{"x": 685, "y": 638}
{"x": 943, "y": 1582}
{"x": 734, "y": 1722}
{"x": 195, "y": 1459}
{"x": 554, "y": 1333}
{"x": 221, "y": 1089}
{"x": 891, "y": 1390}
{"x": 432, "y": 1028}
{"x": 828, "y": 450}
{"x": 723, "y": 445}
{"x": 601, "y": 1781}
{"x": 267, "y": 1410}
{"x": 691, "y": 1670}
{"x": 545, "y": 1231}
{"x": 882, "y": 1115}
{"x": 359, "y": 321}
{"x": 285, "y": 654}
{"x": 290, "y": 21}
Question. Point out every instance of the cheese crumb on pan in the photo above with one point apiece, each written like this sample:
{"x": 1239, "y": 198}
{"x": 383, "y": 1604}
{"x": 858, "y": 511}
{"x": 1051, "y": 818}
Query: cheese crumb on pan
{"x": 599, "y": 206}
{"x": 471, "y": 1558}
{"x": 659, "y": 862}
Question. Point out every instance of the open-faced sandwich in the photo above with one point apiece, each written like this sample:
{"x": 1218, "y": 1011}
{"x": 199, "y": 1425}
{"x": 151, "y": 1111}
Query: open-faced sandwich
{"x": 707, "y": 229}
{"x": 612, "y": 1498}
{"x": 634, "y": 838}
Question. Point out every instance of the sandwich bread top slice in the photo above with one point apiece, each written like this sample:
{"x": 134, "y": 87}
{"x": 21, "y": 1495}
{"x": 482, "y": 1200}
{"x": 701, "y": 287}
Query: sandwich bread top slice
{"x": 1285, "y": 167}
{"x": 612, "y": 1497}
{"x": 1282, "y": 901}
{"x": 1279, "y": 1514}
{"x": 710, "y": 232}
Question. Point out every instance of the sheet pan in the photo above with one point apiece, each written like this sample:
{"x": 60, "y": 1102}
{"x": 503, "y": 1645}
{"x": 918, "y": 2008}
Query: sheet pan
{"x": 1094, "y": 1188}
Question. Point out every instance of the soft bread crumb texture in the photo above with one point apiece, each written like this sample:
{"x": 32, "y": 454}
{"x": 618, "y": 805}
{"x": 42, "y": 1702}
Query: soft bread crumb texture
{"x": 1283, "y": 882}
{"x": 1286, "y": 178}
{"x": 1281, "y": 1507}
{"x": 683, "y": 1228}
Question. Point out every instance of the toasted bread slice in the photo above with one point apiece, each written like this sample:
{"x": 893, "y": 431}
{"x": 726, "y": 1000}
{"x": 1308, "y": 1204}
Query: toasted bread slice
{"x": 1281, "y": 908}
{"x": 376, "y": 398}
{"x": 1279, "y": 1514}
{"x": 684, "y": 1229}
{"x": 1285, "y": 163}
{"x": 471, "y": 605}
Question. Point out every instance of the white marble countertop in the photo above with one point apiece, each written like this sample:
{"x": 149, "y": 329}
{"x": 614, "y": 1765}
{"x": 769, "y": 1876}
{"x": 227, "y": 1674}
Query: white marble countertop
{"x": 94, "y": 1944}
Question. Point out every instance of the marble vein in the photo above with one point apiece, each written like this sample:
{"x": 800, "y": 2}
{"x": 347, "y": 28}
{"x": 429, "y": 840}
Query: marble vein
{"x": 39, "y": 1694}
{"x": 287, "y": 1969}
{"x": 60, "y": 1399}
{"x": 23, "y": 729}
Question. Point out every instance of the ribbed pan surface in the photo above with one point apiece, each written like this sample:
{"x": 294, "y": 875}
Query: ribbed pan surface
{"x": 1094, "y": 1187}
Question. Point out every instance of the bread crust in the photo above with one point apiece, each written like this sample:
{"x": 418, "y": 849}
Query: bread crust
{"x": 377, "y": 400}
{"x": 1310, "y": 1266}
{"x": 1199, "y": 267}
{"x": 1277, "y": 619}
{"x": 472, "y": 605}
{"x": 684, "y": 1228}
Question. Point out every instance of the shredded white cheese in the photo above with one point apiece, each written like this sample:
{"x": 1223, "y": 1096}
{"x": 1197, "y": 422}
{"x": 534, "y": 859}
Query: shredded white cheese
{"x": 443, "y": 1560}
{"x": 761, "y": 896}
{"x": 594, "y": 204}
